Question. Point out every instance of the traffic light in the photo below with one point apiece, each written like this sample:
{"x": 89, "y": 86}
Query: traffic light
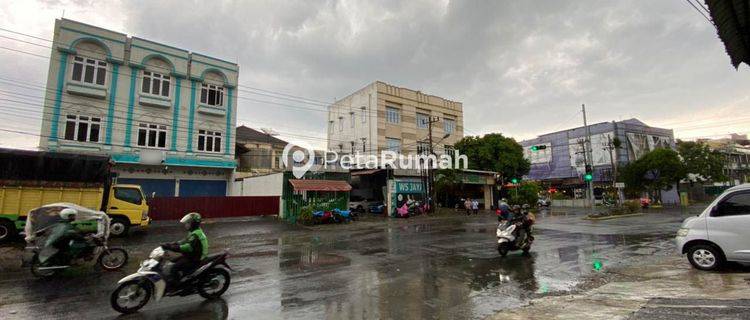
{"x": 589, "y": 174}
{"x": 514, "y": 180}
{"x": 538, "y": 147}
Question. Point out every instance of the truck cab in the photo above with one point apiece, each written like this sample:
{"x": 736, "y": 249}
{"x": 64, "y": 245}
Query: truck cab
{"x": 127, "y": 207}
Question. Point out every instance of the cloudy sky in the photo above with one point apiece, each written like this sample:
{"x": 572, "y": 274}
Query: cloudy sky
{"x": 521, "y": 68}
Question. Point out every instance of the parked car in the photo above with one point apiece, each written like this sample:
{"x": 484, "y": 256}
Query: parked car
{"x": 719, "y": 234}
{"x": 359, "y": 204}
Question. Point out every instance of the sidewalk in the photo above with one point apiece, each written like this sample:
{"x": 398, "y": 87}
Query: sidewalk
{"x": 663, "y": 287}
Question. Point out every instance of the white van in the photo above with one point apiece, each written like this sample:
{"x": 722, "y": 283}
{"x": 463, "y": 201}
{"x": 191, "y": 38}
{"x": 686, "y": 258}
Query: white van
{"x": 720, "y": 233}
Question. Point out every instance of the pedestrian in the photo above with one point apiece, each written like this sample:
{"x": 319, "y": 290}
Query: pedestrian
{"x": 475, "y": 206}
{"x": 467, "y": 206}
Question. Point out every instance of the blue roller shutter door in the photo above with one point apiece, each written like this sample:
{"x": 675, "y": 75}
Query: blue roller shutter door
{"x": 162, "y": 187}
{"x": 202, "y": 188}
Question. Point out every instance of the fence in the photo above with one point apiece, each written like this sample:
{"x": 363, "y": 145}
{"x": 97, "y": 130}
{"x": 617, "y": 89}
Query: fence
{"x": 173, "y": 208}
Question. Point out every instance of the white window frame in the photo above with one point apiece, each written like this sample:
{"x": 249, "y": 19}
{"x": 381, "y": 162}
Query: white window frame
{"x": 153, "y": 78}
{"x": 159, "y": 130}
{"x": 423, "y": 148}
{"x": 449, "y": 125}
{"x": 422, "y": 124}
{"x": 98, "y": 67}
{"x": 209, "y": 135}
{"x": 78, "y": 121}
{"x": 392, "y": 114}
{"x": 341, "y": 123}
{"x": 363, "y": 114}
{"x": 206, "y": 89}
{"x": 352, "y": 119}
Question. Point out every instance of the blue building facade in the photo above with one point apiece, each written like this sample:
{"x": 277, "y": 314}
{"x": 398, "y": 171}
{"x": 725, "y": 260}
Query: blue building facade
{"x": 562, "y": 164}
{"x": 165, "y": 115}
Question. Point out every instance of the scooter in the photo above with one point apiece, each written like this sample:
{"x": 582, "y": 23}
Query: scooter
{"x": 210, "y": 280}
{"x": 511, "y": 237}
{"x": 402, "y": 211}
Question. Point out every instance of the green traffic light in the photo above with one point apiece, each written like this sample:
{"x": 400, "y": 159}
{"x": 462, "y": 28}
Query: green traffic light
{"x": 534, "y": 148}
{"x": 588, "y": 177}
{"x": 514, "y": 180}
{"x": 598, "y": 265}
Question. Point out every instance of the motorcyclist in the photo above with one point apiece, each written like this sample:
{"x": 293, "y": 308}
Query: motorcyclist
{"x": 64, "y": 231}
{"x": 503, "y": 210}
{"x": 193, "y": 248}
{"x": 528, "y": 220}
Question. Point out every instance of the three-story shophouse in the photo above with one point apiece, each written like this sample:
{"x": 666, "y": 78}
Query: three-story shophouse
{"x": 165, "y": 115}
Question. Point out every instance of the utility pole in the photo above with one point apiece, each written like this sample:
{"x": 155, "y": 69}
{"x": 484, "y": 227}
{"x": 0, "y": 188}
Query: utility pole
{"x": 587, "y": 149}
{"x": 430, "y": 171}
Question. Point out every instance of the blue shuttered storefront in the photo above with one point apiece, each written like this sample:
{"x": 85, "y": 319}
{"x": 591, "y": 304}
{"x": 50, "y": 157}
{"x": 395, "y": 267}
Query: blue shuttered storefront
{"x": 198, "y": 188}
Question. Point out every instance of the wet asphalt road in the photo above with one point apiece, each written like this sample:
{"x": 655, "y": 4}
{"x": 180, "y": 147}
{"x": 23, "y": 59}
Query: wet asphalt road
{"x": 425, "y": 267}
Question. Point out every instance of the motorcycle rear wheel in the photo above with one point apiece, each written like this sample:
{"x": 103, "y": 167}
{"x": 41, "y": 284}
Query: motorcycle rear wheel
{"x": 502, "y": 249}
{"x": 113, "y": 258}
{"x": 135, "y": 291}
{"x": 35, "y": 265}
{"x": 215, "y": 282}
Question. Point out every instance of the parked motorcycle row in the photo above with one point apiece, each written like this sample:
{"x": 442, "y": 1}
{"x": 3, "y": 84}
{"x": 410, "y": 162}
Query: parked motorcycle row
{"x": 334, "y": 216}
{"x": 411, "y": 208}
{"x": 49, "y": 225}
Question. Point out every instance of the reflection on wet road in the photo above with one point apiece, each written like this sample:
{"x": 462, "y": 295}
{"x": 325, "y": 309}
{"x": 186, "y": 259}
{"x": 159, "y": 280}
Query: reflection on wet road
{"x": 444, "y": 267}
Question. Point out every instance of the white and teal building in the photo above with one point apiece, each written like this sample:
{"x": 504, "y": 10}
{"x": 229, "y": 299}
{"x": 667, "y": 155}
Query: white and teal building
{"x": 165, "y": 115}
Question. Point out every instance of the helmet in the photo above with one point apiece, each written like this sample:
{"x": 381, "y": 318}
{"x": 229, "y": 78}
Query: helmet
{"x": 191, "y": 220}
{"x": 68, "y": 214}
{"x": 515, "y": 207}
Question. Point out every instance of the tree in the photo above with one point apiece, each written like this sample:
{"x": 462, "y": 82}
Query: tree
{"x": 657, "y": 170}
{"x": 701, "y": 161}
{"x": 494, "y": 152}
{"x": 527, "y": 193}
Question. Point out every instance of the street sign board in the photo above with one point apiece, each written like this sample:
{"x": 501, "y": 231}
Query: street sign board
{"x": 620, "y": 185}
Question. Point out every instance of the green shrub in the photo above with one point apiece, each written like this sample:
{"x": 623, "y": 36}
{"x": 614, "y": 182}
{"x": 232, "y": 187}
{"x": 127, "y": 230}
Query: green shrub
{"x": 632, "y": 206}
{"x": 306, "y": 215}
{"x": 527, "y": 193}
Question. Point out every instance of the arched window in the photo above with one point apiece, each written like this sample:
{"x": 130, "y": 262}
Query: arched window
{"x": 156, "y": 80}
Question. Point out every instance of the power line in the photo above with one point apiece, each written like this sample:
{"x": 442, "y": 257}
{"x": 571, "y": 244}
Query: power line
{"x": 699, "y": 11}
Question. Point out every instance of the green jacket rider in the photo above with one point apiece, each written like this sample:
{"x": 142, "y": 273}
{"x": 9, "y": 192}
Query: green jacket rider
{"x": 194, "y": 247}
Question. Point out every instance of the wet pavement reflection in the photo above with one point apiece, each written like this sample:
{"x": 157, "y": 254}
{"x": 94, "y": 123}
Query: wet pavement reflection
{"x": 434, "y": 267}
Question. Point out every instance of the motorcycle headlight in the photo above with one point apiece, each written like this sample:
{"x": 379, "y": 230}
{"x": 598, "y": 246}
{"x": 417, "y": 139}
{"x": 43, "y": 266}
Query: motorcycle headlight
{"x": 683, "y": 232}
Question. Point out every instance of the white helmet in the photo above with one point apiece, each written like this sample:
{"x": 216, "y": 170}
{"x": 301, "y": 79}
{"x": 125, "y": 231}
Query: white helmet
{"x": 68, "y": 213}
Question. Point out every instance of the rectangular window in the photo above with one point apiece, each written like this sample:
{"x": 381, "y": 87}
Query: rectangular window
{"x": 392, "y": 115}
{"x": 155, "y": 83}
{"x": 363, "y": 114}
{"x": 423, "y": 148}
{"x": 422, "y": 120}
{"x": 351, "y": 119}
{"x": 448, "y": 149}
{"x": 330, "y": 127}
{"x": 89, "y": 71}
{"x": 449, "y": 125}
{"x": 341, "y": 123}
{"x": 152, "y": 135}
{"x": 212, "y": 95}
{"x": 82, "y": 128}
{"x": 393, "y": 144}
{"x": 209, "y": 141}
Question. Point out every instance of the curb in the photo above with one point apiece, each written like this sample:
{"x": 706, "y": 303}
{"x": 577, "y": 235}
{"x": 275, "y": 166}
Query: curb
{"x": 614, "y": 217}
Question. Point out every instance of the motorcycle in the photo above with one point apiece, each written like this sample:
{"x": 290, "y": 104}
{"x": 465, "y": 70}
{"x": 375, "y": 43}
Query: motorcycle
{"x": 511, "y": 237}
{"x": 342, "y": 215}
{"x": 402, "y": 211}
{"x": 48, "y": 260}
{"x": 210, "y": 280}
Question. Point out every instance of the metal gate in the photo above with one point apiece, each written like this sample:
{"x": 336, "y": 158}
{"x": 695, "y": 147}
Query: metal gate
{"x": 173, "y": 208}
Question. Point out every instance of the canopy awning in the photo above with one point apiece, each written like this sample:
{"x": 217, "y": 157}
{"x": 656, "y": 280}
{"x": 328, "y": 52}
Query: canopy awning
{"x": 365, "y": 172}
{"x": 320, "y": 185}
